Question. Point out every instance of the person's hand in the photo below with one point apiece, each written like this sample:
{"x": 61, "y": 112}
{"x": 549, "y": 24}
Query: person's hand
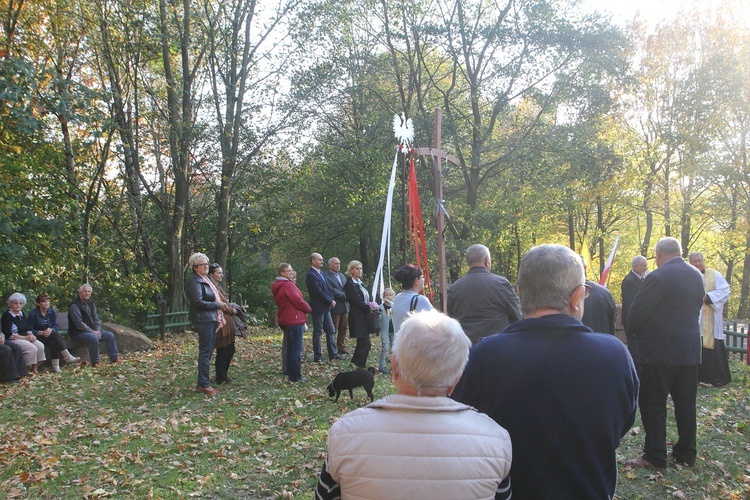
{"x": 373, "y": 305}
{"x": 97, "y": 333}
{"x": 45, "y": 333}
{"x": 30, "y": 337}
{"x": 333, "y": 304}
{"x": 2, "y": 338}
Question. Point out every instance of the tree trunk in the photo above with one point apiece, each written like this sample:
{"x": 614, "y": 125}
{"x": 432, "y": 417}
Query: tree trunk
{"x": 646, "y": 243}
{"x": 180, "y": 129}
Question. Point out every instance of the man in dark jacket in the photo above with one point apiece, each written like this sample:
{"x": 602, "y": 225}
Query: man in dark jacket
{"x": 664, "y": 329}
{"x": 566, "y": 396}
{"x": 339, "y": 312}
{"x": 482, "y": 302}
{"x": 631, "y": 284}
{"x": 321, "y": 302}
{"x": 84, "y": 327}
{"x": 600, "y": 311}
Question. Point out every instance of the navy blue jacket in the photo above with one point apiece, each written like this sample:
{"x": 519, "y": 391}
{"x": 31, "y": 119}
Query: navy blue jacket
{"x": 629, "y": 287}
{"x": 319, "y": 291}
{"x": 565, "y": 395}
{"x": 39, "y": 322}
{"x": 662, "y": 326}
{"x": 599, "y": 310}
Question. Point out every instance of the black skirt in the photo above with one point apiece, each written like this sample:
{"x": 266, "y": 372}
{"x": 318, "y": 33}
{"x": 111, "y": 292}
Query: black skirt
{"x": 714, "y": 368}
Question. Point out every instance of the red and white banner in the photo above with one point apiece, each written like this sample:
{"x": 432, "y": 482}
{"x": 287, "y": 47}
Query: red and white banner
{"x": 608, "y": 265}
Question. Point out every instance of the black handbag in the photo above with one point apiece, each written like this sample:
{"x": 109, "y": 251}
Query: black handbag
{"x": 373, "y": 321}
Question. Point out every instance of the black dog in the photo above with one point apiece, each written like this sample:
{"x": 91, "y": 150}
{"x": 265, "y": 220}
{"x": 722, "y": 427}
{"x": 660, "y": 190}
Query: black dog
{"x": 350, "y": 380}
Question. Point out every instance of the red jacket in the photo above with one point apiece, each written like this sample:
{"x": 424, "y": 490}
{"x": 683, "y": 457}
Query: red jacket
{"x": 293, "y": 309}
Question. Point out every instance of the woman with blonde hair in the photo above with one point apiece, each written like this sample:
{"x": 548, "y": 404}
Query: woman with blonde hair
{"x": 207, "y": 315}
{"x": 360, "y": 307}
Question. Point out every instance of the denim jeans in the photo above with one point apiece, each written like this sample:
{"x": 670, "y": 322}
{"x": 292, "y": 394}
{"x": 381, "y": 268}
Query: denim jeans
{"x": 323, "y": 322}
{"x": 90, "y": 341}
{"x": 206, "y": 338}
{"x": 293, "y": 354}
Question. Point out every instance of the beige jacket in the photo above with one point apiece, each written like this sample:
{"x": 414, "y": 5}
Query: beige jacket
{"x": 418, "y": 447}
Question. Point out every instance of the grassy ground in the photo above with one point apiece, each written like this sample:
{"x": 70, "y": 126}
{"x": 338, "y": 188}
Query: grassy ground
{"x": 140, "y": 430}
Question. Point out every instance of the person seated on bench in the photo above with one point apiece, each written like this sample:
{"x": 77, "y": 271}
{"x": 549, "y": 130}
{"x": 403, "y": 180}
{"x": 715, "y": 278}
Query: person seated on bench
{"x": 43, "y": 320}
{"x": 8, "y": 370}
{"x": 84, "y": 327}
{"x": 17, "y": 329}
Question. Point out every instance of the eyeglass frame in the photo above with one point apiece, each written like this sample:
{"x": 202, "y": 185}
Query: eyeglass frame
{"x": 586, "y": 294}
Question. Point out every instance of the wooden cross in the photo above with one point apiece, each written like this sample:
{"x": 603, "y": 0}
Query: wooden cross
{"x": 437, "y": 156}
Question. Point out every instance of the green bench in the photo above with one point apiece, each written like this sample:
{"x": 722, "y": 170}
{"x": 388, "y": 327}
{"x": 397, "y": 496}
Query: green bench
{"x": 166, "y": 321}
{"x": 736, "y": 341}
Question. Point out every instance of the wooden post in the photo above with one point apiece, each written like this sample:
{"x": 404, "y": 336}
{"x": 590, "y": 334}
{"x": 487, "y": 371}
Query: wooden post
{"x": 163, "y": 318}
{"x": 437, "y": 156}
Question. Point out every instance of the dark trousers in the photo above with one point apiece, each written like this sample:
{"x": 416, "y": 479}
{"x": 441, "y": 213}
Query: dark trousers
{"x": 54, "y": 343}
{"x": 324, "y": 323}
{"x": 15, "y": 349}
{"x": 293, "y": 352}
{"x": 657, "y": 382}
{"x": 206, "y": 338}
{"x": 361, "y": 351}
{"x": 8, "y": 370}
{"x": 224, "y": 357}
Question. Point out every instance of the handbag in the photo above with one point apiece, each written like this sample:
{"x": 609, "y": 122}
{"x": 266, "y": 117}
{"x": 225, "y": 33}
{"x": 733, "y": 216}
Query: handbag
{"x": 373, "y": 321}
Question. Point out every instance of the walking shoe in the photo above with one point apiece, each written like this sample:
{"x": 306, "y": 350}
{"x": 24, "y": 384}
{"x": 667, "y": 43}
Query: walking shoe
{"x": 208, "y": 390}
{"x": 642, "y": 462}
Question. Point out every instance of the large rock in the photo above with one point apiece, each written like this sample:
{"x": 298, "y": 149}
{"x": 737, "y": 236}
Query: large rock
{"x": 127, "y": 339}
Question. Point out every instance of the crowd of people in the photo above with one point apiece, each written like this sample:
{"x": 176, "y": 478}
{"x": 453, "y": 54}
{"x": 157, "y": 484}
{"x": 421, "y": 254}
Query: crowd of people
{"x": 512, "y": 385}
{"x": 26, "y": 338}
{"x": 559, "y": 388}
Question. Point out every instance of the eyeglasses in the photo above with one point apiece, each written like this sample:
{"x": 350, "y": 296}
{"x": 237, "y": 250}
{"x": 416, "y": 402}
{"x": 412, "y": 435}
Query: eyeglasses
{"x": 587, "y": 290}
{"x": 204, "y": 264}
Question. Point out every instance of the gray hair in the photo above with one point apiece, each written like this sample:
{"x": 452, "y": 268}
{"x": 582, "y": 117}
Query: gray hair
{"x": 17, "y": 296}
{"x": 195, "y": 258}
{"x": 638, "y": 259}
{"x": 84, "y": 286}
{"x": 431, "y": 350}
{"x": 547, "y": 276}
{"x": 695, "y": 254}
{"x": 476, "y": 254}
{"x": 668, "y": 246}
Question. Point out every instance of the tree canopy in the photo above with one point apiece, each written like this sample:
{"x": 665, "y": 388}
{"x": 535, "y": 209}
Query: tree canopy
{"x": 133, "y": 133}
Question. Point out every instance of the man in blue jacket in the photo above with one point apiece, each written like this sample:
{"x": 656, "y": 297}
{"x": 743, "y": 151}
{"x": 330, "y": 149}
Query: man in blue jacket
{"x": 321, "y": 302}
{"x": 665, "y": 332}
{"x": 566, "y": 395}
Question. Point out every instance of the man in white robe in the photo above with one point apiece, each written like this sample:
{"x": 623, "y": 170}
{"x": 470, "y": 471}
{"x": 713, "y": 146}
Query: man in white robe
{"x": 714, "y": 368}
